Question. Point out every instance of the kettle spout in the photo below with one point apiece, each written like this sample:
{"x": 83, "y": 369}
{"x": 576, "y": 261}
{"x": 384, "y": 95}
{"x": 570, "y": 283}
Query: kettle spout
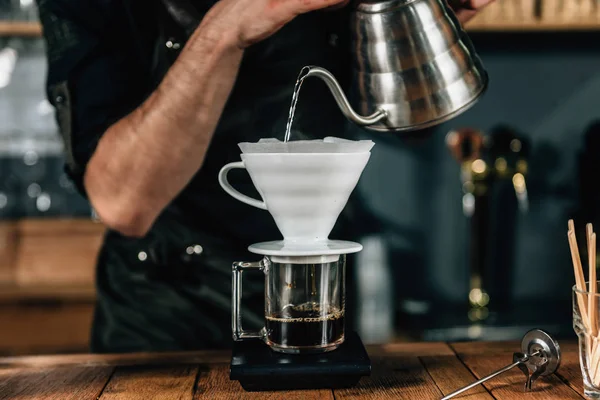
{"x": 341, "y": 100}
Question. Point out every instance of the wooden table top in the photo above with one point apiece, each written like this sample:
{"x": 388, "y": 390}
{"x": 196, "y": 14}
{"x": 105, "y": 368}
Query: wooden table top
{"x": 417, "y": 371}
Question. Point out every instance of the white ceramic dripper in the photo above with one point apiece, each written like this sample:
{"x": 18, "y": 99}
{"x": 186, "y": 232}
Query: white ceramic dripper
{"x": 304, "y": 184}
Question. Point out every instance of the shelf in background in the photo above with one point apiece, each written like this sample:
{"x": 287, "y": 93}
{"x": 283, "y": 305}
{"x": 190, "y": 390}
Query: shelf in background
{"x": 45, "y": 293}
{"x": 537, "y": 16}
{"x": 47, "y": 284}
{"x": 30, "y": 328}
{"x": 479, "y": 24}
{"x": 532, "y": 26}
{"x": 49, "y": 259}
{"x": 21, "y": 29}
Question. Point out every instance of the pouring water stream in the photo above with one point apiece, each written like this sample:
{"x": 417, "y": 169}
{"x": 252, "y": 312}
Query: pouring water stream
{"x": 295, "y": 95}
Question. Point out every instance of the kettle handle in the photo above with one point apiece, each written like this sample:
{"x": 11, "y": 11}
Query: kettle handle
{"x": 342, "y": 101}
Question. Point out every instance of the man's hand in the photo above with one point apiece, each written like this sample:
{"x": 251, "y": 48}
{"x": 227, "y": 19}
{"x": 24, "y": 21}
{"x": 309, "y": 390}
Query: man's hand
{"x": 250, "y": 21}
{"x": 466, "y": 9}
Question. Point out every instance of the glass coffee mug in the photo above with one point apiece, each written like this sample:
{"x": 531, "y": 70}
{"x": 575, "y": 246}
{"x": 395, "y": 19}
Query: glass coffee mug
{"x": 304, "y": 303}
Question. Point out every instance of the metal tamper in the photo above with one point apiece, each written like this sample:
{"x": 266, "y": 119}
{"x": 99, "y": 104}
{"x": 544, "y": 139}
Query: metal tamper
{"x": 539, "y": 356}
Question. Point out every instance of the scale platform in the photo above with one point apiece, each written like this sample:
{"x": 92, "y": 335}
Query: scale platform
{"x": 258, "y": 368}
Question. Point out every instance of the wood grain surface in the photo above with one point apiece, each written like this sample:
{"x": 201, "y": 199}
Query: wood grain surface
{"x": 214, "y": 383}
{"x": 397, "y": 372}
{"x": 570, "y": 370}
{"x": 400, "y": 371}
{"x": 450, "y": 374}
{"x": 76, "y": 383}
{"x": 151, "y": 383}
{"x": 394, "y": 377}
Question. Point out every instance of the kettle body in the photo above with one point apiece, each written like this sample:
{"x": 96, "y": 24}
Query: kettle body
{"x": 413, "y": 66}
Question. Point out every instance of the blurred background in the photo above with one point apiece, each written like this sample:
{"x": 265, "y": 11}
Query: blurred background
{"x": 470, "y": 242}
{"x": 48, "y": 242}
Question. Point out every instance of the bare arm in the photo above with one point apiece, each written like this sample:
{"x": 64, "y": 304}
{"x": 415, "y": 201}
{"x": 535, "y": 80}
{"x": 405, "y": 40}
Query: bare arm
{"x": 144, "y": 160}
{"x": 467, "y": 9}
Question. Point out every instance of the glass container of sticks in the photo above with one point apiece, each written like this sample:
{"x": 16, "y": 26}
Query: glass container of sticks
{"x": 585, "y": 311}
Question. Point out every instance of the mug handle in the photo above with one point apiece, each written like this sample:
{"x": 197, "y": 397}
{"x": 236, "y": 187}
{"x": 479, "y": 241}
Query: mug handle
{"x": 234, "y": 193}
{"x": 236, "y": 302}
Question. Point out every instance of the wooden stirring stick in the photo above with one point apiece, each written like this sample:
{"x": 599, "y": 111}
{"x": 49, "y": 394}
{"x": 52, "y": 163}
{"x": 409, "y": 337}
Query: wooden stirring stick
{"x": 594, "y": 312}
{"x": 593, "y": 288}
{"x": 593, "y": 309}
{"x": 579, "y": 277}
{"x": 592, "y": 303}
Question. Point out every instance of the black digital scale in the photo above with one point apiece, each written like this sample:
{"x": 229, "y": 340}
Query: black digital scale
{"x": 258, "y": 368}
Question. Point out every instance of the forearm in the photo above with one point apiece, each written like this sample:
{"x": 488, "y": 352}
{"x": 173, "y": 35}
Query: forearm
{"x": 143, "y": 161}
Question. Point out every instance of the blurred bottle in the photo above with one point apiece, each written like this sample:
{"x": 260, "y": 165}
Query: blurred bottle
{"x": 375, "y": 316}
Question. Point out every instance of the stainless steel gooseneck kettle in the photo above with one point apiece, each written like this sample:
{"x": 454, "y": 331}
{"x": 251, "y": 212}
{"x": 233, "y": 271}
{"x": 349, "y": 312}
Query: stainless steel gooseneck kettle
{"x": 413, "y": 66}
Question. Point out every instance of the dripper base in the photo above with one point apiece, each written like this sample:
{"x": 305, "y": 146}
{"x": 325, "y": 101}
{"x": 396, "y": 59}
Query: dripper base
{"x": 283, "y": 248}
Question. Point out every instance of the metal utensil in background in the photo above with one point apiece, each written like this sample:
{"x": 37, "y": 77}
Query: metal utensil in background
{"x": 540, "y": 356}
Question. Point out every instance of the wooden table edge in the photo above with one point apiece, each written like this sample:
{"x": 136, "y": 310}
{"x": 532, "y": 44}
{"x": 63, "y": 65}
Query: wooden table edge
{"x": 424, "y": 352}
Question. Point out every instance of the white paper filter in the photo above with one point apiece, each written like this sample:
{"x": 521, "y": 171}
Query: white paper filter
{"x": 327, "y": 145}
